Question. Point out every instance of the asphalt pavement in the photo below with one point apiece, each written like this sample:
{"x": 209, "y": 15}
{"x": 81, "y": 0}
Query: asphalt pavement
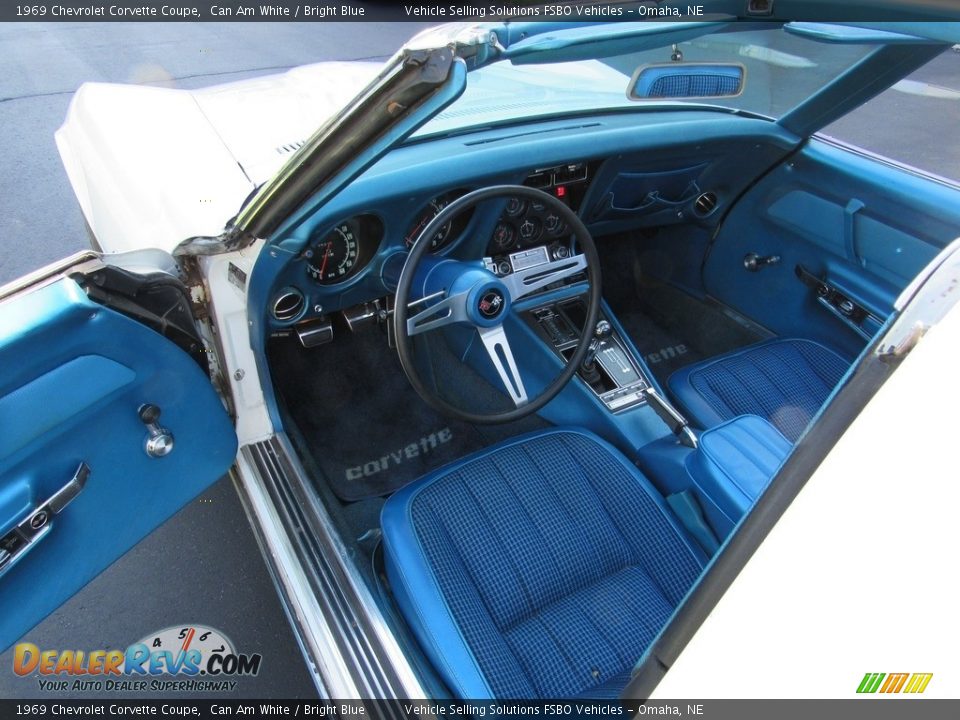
{"x": 203, "y": 566}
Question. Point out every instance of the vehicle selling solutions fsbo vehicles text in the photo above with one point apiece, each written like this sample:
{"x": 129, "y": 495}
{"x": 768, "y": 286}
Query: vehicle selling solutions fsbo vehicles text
{"x": 546, "y": 11}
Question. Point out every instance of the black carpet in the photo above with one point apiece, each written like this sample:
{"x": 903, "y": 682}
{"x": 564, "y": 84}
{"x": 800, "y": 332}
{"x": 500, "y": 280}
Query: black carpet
{"x": 365, "y": 427}
{"x": 663, "y": 351}
{"x": 670, "y": 328}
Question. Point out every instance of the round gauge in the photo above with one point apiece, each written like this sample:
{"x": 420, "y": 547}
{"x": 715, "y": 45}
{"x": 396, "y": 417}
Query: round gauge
{"x": 334, "y": 257}
{"x": 504, "y": 236}
{"x": 515, "y": 206}
{"x": 428, "y": 213}
{"x": 530, "y": 229}
{"x": 554, "y": 224}
{"x": 201, "y": 640}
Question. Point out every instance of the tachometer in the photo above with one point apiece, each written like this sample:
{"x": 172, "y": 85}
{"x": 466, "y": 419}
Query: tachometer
{"x": 334, "y": 257}
{"x": 424, "y": 217}
{"x": 449, "y": 232}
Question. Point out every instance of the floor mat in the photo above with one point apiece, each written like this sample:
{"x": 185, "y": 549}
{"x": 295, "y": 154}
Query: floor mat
{"x": 365, "y": 427}
{"x": 663, "y": 351}
{"x": 670, "y": 328}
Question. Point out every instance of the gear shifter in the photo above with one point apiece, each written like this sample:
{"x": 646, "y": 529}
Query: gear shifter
{"x": 588, "y": 368}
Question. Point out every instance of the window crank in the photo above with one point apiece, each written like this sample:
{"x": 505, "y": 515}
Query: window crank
{"x": 159, "y": 440}
{"x": 753, "y": 262}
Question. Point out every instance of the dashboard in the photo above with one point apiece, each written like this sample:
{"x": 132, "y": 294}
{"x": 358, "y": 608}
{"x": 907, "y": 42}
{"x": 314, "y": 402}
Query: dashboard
{"x": 524, "y": 234}
{"x": 616, "y": 173}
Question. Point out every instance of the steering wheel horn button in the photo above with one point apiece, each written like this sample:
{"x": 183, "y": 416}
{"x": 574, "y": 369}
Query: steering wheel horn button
{"x": 491, "y": 303}
{"x": 488, "y": 302}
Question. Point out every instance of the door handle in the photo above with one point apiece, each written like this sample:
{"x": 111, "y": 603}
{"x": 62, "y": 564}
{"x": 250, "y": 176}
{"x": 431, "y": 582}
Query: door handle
{"x": 34, "y": 526}
{"x": 836, "y": 301}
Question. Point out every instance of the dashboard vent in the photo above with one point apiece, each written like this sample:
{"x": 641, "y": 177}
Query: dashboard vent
{"x": 288, "y": 305}
{"x": 706, "y": 204}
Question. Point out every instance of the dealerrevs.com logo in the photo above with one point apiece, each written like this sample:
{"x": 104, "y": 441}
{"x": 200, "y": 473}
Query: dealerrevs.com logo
{"x": 185, "y": 658}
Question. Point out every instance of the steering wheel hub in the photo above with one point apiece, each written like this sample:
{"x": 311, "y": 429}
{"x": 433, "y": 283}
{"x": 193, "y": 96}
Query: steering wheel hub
{"x": 487, "y": 303}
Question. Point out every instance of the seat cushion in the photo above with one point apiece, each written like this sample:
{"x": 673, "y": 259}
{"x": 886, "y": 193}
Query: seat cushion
{"x": 732, "y": 465}
{"x": 540, "y": 567}
{"x": 784, "y": 381}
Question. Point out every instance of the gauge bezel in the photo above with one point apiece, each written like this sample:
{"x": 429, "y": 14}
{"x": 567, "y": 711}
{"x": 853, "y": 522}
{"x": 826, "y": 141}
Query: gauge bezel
{"x": 368, "y": 231}
{"x": 453, "y": 230}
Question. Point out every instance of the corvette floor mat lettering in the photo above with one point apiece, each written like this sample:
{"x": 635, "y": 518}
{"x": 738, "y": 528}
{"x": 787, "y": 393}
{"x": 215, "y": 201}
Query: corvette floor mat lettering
{"x": 365, "y": 427}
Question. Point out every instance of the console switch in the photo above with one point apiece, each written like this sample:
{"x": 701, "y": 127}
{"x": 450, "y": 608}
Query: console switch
{"x": 555, "y": 327}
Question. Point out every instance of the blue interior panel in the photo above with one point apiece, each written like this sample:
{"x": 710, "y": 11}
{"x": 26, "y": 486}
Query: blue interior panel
{"x": 75, "y": 375}
{"x": 864, "y": 225}
{"x": 732, "y": 467}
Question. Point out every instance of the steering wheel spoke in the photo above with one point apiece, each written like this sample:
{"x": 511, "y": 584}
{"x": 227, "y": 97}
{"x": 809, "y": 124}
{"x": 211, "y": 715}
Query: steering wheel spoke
{"x": 524, "y": 282}
{"x": 498, "y": 348}
{"x": 450, "y": 309}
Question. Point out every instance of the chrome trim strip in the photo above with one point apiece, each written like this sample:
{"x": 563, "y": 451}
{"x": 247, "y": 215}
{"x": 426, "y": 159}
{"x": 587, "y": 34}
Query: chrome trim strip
{"x": 48, "y": 274}
{"x": 357, "y": 654}
{"x": 291, "y": 582}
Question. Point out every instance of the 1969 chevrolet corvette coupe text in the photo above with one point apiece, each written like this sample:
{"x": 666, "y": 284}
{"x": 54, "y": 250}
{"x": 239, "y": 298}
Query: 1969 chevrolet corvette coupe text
{"x": 517, "y": 360}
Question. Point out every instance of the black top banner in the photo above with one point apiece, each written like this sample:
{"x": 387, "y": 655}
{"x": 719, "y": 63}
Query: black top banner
{"x": 443, "y": 12}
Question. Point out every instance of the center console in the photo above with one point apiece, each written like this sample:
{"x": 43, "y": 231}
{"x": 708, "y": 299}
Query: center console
{"x": 610, "y": 369}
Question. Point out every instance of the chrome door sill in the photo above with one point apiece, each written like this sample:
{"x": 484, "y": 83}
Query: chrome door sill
{"x": 348, "y": 646}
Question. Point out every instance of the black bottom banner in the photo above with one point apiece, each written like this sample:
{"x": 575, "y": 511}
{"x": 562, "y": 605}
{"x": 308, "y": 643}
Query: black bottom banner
{"x": 875, "y": 709}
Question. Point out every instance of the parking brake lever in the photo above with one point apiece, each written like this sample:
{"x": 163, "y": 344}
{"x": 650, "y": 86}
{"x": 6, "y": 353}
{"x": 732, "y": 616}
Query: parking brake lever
{"x": 675, "y": 421}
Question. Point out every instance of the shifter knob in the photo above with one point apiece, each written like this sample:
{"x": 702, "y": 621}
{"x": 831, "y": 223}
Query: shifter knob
{"x": 601, "y": 332}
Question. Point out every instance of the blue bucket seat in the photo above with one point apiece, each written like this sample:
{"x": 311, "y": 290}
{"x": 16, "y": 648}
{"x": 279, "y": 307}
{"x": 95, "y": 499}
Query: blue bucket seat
{"x": 784, "y": 381}
{"x": 542, "y": 567}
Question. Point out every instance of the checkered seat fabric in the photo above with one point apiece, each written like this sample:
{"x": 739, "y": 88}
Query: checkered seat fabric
{"x": 784, "y": 381}
{"x": 539, "y": 568}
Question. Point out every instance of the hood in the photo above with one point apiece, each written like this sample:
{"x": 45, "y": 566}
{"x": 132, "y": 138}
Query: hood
{"x": 152, "y": 166}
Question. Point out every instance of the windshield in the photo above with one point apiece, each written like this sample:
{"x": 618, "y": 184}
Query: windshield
{"x": 782, "y": 70}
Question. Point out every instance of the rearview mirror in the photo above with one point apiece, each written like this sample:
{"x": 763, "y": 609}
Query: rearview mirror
{"x": 678, "y": 80}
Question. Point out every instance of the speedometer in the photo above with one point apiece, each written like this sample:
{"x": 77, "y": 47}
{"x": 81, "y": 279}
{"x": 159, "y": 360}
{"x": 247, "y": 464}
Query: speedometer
{"x": 334, "y": 257}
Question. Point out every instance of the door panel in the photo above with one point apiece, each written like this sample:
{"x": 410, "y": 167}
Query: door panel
{"x": 862, "y": 226}
{"x": 75, "y": 375}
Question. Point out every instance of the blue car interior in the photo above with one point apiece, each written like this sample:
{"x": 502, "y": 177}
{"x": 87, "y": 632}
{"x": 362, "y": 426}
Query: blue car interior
{"x": 746, "y": 263}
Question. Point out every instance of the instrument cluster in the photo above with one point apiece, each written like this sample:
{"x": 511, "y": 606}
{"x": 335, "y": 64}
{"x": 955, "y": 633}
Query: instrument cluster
{"x": 529, "y": 233}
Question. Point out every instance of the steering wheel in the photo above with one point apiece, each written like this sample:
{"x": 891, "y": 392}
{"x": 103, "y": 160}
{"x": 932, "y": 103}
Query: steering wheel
{"x": 449, "y": 291}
